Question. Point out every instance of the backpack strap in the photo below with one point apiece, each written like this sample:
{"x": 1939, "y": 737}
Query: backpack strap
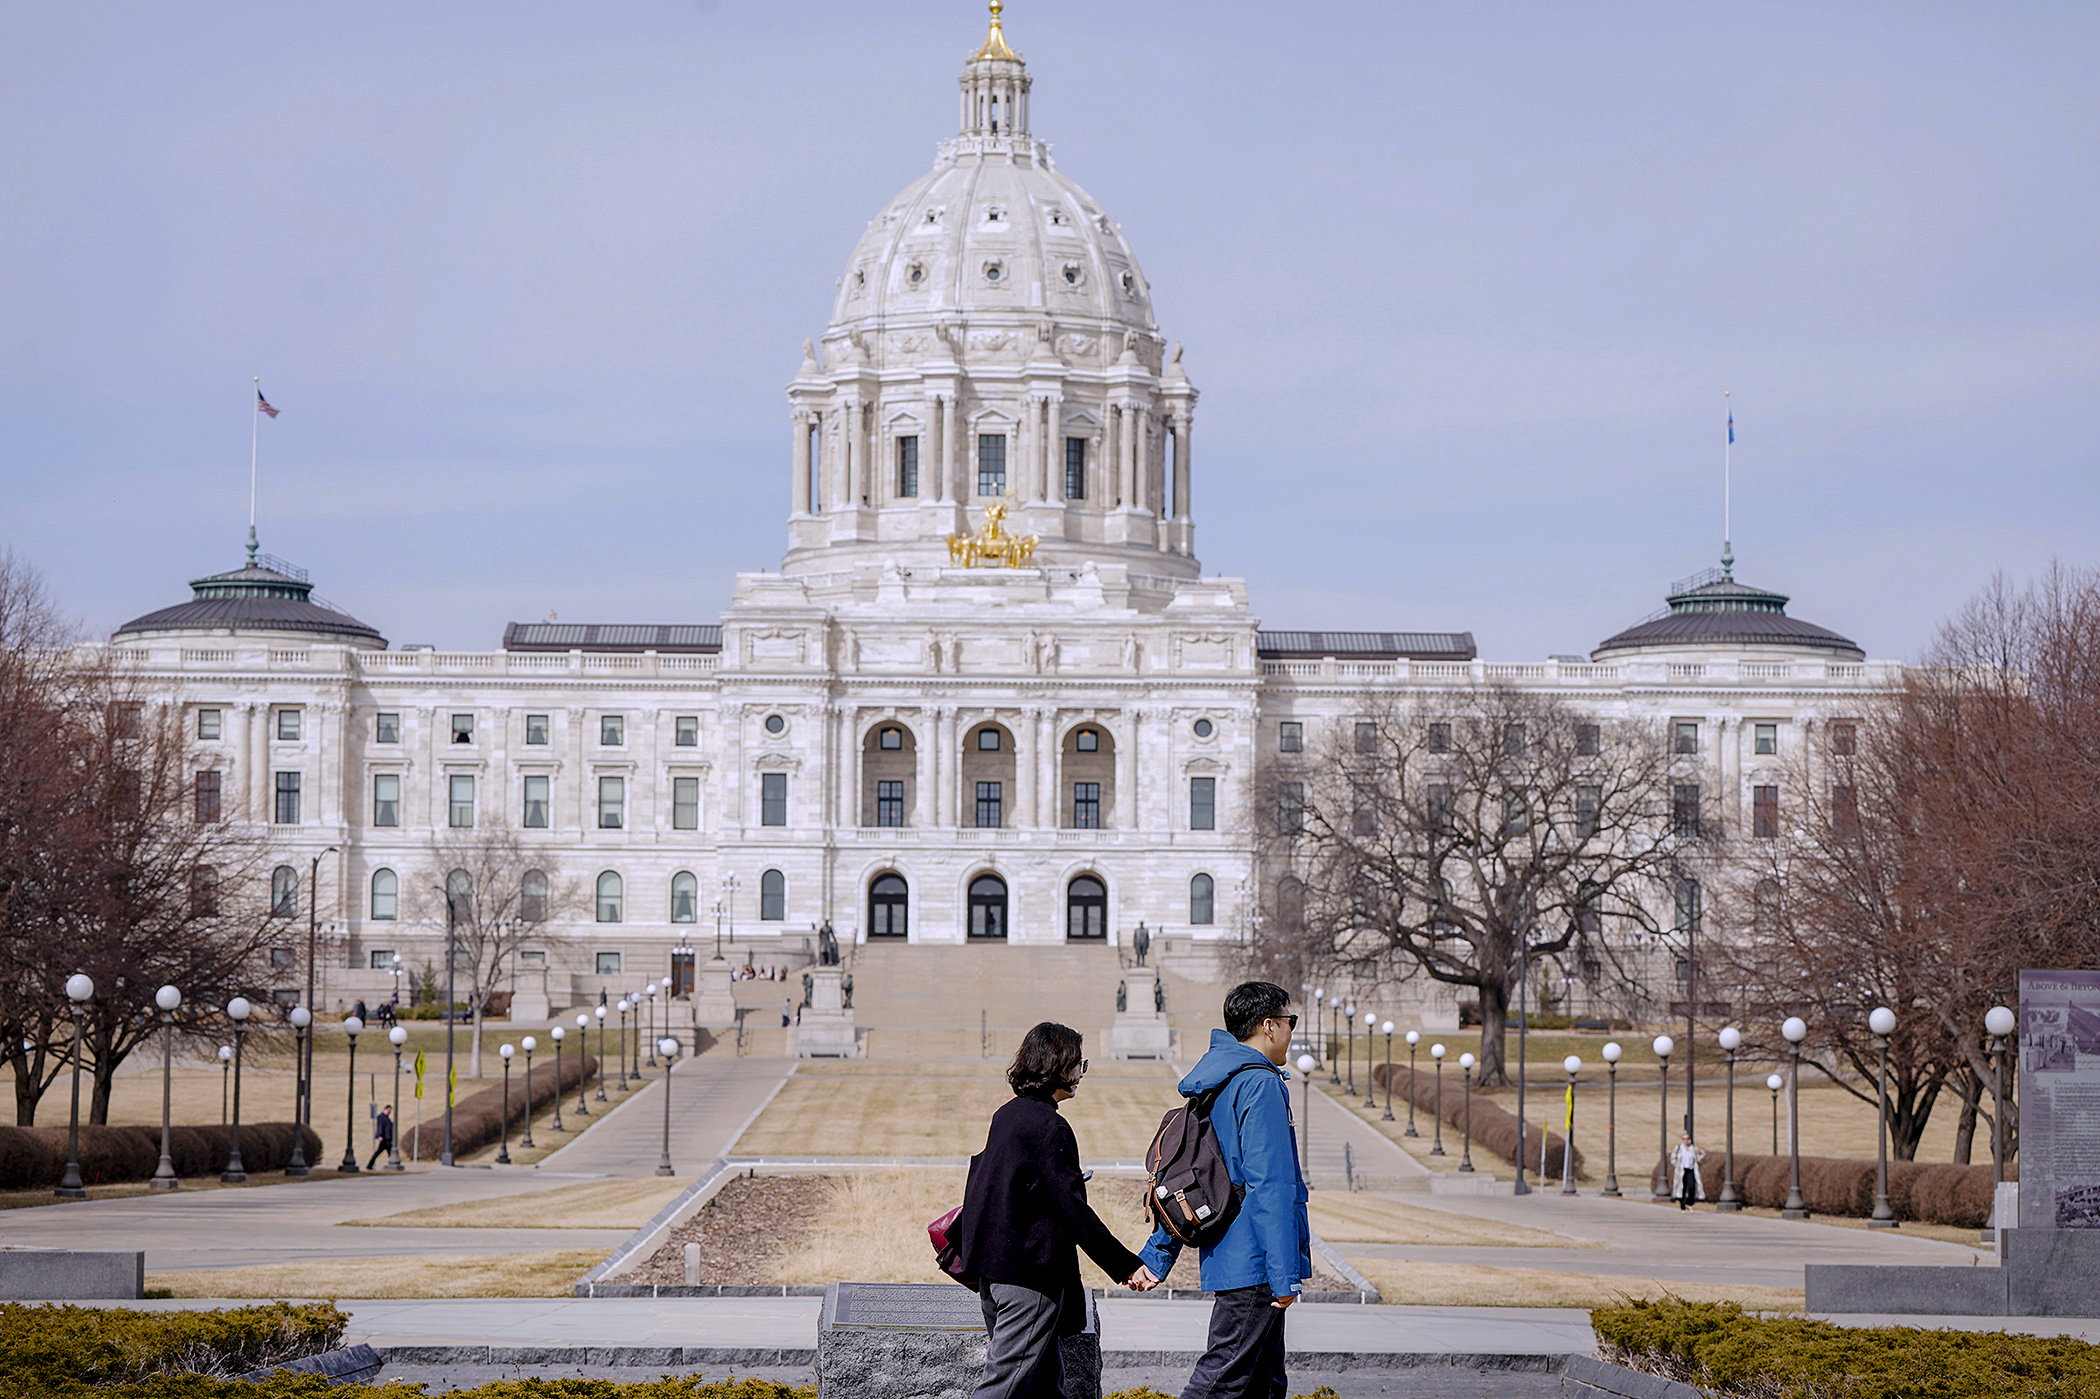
{"x": 1202, "y": 1103}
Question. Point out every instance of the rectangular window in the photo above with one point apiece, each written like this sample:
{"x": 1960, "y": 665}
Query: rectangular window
{"x": 1687, "y": 737}
{"x": 889, "y": 803}
{"x": 1844, "y": 738}
{"x": 685, "y": 731}
{"x": 386, "y": 728}
{"x": 908, "y": 466}
{"x": 1366, "y": 736}
{"x": 991, "y": 802}
{"x": 1439, "y": 807}
{"x": 287, "y": 812}
{"x": 1440, "y": 737}
{"x": 208, "y": 787}
{"x": 772, "y": 799}
{"x": 991, "y": 463}
{"x": 288, "y": 725}
{"x": 1516, "y": 815}
{"x": 283, "y": 959}
{"x": 612, "y": 801}
{"x": 685, "y": 803}
{"x": 1203, "y": 803}
{"x": 382, "y": 959}
{"x": 386, "y": 799}
{"x": 608, "y": 964}
{"x": 459, "y": 801}
{"x": 1764, "y": 812}
{"x": 536, "y": 801}
{"x": 210, "y": 723}
{"x": 1513, "y": 739}
{"x": 1290, "y": 737}
{"x": 612, "y": 730}
{"x": 1086, "y": 806}
{"x": 1588, "y": 740}
{"x": 1766, "y": 740}
{"x": 1844, "y": 812}
{"x": 1687, "y": 905}
{"x": 1075, "y": 468}
{"x": 1290, "y": 809}
{"x": 987, "y": 740}
{"x": 1684, "y": 809}
{"x": 462, "y": 728}
{"x": 1587, "y": 802}
{"x": 536, "y": 729}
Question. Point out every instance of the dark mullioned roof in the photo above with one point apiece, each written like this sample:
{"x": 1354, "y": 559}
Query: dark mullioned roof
{"x": 1713, "y": 609}
{"x": 674, "y": 638}
{"x": 267, "y": 594}
{"x": 1364, "y": 645}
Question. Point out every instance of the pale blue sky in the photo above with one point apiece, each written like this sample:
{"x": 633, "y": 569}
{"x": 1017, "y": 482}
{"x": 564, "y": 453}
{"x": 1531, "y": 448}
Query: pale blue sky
{"x": 1461, "y": 285}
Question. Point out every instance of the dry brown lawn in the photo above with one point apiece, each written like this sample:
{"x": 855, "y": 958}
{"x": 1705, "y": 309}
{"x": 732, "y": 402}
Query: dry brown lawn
{"x": 552, "y": 1273}
{"x": 1469, "y": 1285}
{"x": 619, "y": 1204}
{"x": 1340, "y": 1217}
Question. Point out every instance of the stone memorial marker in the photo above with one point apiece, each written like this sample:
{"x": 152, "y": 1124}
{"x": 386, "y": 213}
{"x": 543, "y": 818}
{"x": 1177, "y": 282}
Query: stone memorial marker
{"x": 884, "y": 1340}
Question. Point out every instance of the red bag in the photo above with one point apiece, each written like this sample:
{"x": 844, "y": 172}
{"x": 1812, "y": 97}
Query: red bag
{"x": 946, "y": 1252}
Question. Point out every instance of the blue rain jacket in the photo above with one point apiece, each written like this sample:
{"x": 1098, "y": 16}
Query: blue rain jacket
{"x": 1270, "y": 1240}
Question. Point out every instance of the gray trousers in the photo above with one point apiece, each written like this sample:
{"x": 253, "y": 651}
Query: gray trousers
{"x": 1021, "y": 1352}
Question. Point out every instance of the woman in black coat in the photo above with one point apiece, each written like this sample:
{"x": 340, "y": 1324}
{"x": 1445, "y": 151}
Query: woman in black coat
{"x": 1024, "y": 1218}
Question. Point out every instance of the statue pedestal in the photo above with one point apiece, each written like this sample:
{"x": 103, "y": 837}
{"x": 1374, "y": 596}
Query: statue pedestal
{"x": 713, "y": 1005}
{"x": 1141, "y": 1030}
{"x": 530, "y": 1000}
{"x": 824, "y": 1027}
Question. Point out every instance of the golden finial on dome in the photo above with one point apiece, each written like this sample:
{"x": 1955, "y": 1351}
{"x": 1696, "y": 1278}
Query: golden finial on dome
{"x": 995, "y": 42}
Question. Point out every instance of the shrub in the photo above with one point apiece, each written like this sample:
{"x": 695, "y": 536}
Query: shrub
{"x": 31, "y": 1157}
{"x": 1730, "y": 1353}
{"x": 1494, "y": 1128}
{"x": 477, "y": 1119}
{"x": 1959, "y": 1196}
{"x": 68, "y": 1350}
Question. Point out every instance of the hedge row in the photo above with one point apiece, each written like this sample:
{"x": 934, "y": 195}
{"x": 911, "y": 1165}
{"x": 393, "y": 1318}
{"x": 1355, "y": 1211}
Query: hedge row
{"x": 477, "y": 1119}
{"x": 1730, "y": 1354}
{"x": 1494, "y": 1127}
{"x": 32, "y": 1157}
{"x": 1925, "y": 1192}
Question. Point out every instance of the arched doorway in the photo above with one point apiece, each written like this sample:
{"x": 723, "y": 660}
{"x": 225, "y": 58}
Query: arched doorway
{"x": 988, "y": 907}
{"x": 888, "y": 903}
{"x": 1086, "y": 909}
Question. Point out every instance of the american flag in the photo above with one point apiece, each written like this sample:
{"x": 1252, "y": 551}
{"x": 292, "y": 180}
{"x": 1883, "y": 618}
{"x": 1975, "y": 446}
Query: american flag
{"x": 262, "y": 405}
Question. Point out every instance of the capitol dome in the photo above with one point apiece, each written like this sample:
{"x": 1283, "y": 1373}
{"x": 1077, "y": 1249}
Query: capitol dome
{"x": 992, "y": 349}
{"x": 265, "y": 598}
{"x": 1711, "y": 611}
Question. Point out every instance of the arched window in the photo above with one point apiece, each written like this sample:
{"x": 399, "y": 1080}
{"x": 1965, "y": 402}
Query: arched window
{"x": 532, "y": 896}
{"x": 459, "y": 895}
{"x": 772, "y": 896}
{"x": 987, "y": 906}
{"x": 1202, "y": 900}
{"x": 888, "y": 902}
{"x": 1290, "y": 904}
{"x": 386, "y": 894}
{"x": 685, "y": 897}
{"x": 611, "y": 897}
{"x": 1086, "y": 909}
{"x": 284, "y": 892}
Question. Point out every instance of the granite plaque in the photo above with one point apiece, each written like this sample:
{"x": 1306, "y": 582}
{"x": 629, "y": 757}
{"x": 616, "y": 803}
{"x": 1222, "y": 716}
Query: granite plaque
{"x": 906, "y": 1306}
{"x": 886, "y": 1340}
{"x": 2059, "y": 1103}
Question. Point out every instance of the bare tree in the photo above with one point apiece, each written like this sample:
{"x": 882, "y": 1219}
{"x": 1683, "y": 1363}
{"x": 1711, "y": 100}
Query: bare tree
{"x": 1462, "y": 835}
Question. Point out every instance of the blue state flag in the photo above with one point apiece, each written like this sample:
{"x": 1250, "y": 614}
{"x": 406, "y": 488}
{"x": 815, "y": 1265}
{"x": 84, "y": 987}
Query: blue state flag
{"x": 1731, "y": 426}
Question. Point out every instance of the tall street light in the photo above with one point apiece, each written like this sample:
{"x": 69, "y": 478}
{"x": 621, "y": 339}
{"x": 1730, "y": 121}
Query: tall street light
{"x": 80, "y": 989}
{"x": 303, "y": 1109}
{"x": 583, "y": 1076}
{"x": 395, "y": 1037}
{"x": 599, "y": 1011}
{"x": 451, "y": 999}
{"x": 1414, "y": 1043}
{"x": 169, "y": 999}
{"x": 1349, "y": 1086}
{"x": 1663, "y": 1047}
{"x": 1465, "y": 1157}
{"x": 1730, "y": 1199}
{"x": 528, "y": 1044}
{"x": 1611, "y": 1053}
{"x": 1334, "y": 1012}
{"x": 237, "y": 1010}
{"x": 1387, "y": 1029}
{"x": 352, "y": 1027}
{"x": 1306, "y": 1065}
{"x": 1882, "y": 1021}
{"x": 620, "y": 1007}
{"x": 1998, "y": 1025}
{"x": 1794, "y": 1030}
{"x": 649, "y": 1009}
{"x": 1370, "y": 1083}
{"x": 1775, "y": 1083}
{"x": 557, "y": 1034}
{"x": 1436, "y": 1052}
{"x": 1573, "y": 1065}
{"x": 505, "y": 1050}
{"x": 301, "y": 1019}
{"x": 225, "y": 1077}
{"x": 669, "y": 1047}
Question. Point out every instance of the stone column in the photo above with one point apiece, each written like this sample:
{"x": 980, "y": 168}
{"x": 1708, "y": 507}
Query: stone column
{"x": 800, "y": 490}
{"x": 950, "y": 489}
{"x": 1024, "y": 732}
{"x": 925, "y": 757}
{"x": 1045, "y": 769}
{"x": 1181, "y": 467}
{"x": 944, "y": 766}
{"x": 1125, "y": 813}
{"x": 1054, "y": 451}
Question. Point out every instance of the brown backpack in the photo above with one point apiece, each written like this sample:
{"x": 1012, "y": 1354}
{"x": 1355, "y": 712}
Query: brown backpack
{"x": 1190, "y": 1193}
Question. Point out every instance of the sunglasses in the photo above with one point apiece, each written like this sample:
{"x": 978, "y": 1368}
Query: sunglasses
{"x": 1290, "y": 1020}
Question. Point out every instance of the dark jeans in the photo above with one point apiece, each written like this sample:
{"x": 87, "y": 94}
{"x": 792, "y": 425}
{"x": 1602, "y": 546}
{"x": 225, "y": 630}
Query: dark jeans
{"x": 1687, "y": 1188}
{"x": 1245, "y": 1356}
{"x": 1021, "y": 1354}
{"x": 379, "y": 1151}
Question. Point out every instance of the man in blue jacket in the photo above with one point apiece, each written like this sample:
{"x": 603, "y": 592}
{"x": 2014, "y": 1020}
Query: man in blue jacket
{"x": 1259, "y": 1267}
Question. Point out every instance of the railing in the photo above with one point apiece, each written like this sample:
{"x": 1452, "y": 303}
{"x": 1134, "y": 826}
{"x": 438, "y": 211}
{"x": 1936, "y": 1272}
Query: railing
{"x": 288, "y": 657}
{"x": 1764, "y": 670}
{"x": 1841, "y": 671}
{"x": 1685, "y": 670}
{"x": 1519, "y": 672}
{"x": 526, "y": 661}
{"x": 195, "y": 657}
{"x": 1442, "y": 670}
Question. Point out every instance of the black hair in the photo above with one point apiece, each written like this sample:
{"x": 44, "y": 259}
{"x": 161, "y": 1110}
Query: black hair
{"x": 1250, "y": 1003}
{"x": 1047, "y": 1060}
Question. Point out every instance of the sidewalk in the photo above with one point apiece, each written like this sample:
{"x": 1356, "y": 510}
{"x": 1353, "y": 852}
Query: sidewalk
{"x": 713, "y": 1098}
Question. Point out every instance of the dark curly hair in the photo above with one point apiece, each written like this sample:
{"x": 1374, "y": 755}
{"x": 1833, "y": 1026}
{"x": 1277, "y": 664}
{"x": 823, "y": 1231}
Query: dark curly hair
{"x": 1048, "y": 1060}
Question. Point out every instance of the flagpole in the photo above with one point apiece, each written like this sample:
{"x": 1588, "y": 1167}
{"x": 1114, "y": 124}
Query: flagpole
{"x": 1727, "y": 488}
{"x": 254, "y": 444}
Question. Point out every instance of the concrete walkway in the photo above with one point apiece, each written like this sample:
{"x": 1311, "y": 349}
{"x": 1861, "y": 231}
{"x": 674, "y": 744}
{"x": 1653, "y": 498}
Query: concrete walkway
{"x": 713, "y": 1099}
{"x": 1334, "y": 1126}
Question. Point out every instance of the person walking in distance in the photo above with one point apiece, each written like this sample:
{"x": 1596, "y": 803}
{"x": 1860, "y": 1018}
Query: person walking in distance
{"x": 1025, "y": 1216}
{"x": 382, "y": 1134}
{"x": 1259, "y": 1267}
{"x": 1684, "y": 1172}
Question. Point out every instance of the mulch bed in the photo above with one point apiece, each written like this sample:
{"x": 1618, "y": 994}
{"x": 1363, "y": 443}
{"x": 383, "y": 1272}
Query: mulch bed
{"x": 751, "y": 1222}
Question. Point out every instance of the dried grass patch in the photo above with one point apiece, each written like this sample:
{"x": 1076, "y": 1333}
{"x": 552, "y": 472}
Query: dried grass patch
{"x": 552, "y": 1273}
{"x": 619, "y": 1204}
{"x": 1340, "y": 1217}
{"x": 1407, "y": 1283}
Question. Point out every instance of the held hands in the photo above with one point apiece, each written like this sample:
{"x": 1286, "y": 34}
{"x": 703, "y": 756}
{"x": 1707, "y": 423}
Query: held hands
{"x": 1284, "y": 1301}
{"x": 1141, "y": 1281}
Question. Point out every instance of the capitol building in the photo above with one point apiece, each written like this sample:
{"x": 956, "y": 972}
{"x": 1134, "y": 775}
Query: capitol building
{"x": 989, "y": 696}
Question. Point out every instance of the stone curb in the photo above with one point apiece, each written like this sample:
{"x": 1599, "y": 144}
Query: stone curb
{"x": 645, "y": 1240}
{"x": 1322, "y": 1361}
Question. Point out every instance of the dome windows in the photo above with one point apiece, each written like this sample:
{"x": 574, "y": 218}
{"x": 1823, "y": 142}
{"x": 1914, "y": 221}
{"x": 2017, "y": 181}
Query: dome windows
{"x": 1073, "y": 273}
{"x": 915, "y": 274}
{"x": 1128, "y": 283}
{"x": 995, "y": 213}
{"x": 1057, "y": 218}
{"x": 994, "y": 270}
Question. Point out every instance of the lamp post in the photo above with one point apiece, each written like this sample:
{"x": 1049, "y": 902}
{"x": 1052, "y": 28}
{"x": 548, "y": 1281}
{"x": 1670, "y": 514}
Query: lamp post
{"x": 1414, "y": 1041}
{"x": 352, "y": 1027}
{"x": 726, "y": 912}
{"x": 620, "y": 1009}
{"x": 504, "y": 1051}
{"x": 669, "y": 1047}
{"x": 1611, "y": 1122}
{"x": 168, "y": 998}
{"x": 649, "y": 1000}
{"x": 583, "y": 1076}
{"x": 1794, "y": 1030}
{"x": 1573, "y": 1065}
{"x": 1663, "y": 1047}
{"x": 1998, "y": 1025}
{"x": 1319, "y": 1008}
{"x": 1370, "y": 1082}
{"x": 1436, "y": 1052}
{"x": 80, "y": 989}
{"x": 1465, "y": 1158}
{"x": 1775, "y": 1083}
{"x": 1334, "y": 1012}
{"x": 1387, "y": 1029}
{"x": 451, "y": 998}
{"x": 634, "y": 1008}
{"x": 528, "y": 1044}
{"x": 557, "y": 1034}
{"x": 1349, "y": 1078}
{"x": 1882, "y": 1021}
{"x": 238, "y": 1010}
{"x": 1730, "y": 1199}
{"x": 303, "y": 1104}
{"x": 1306, "y": 1065}
{"x": 395, "y": 1037}
{"x": 296, "y": 1168}
{"x": 225, "y": 1076}
{"x": 599, "y": 1011}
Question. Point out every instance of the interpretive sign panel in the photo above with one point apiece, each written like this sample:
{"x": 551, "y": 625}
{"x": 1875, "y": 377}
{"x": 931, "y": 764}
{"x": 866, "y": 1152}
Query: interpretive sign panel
{"x": 2059, "y": 1100}
{"x": 907, "y": 1306}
